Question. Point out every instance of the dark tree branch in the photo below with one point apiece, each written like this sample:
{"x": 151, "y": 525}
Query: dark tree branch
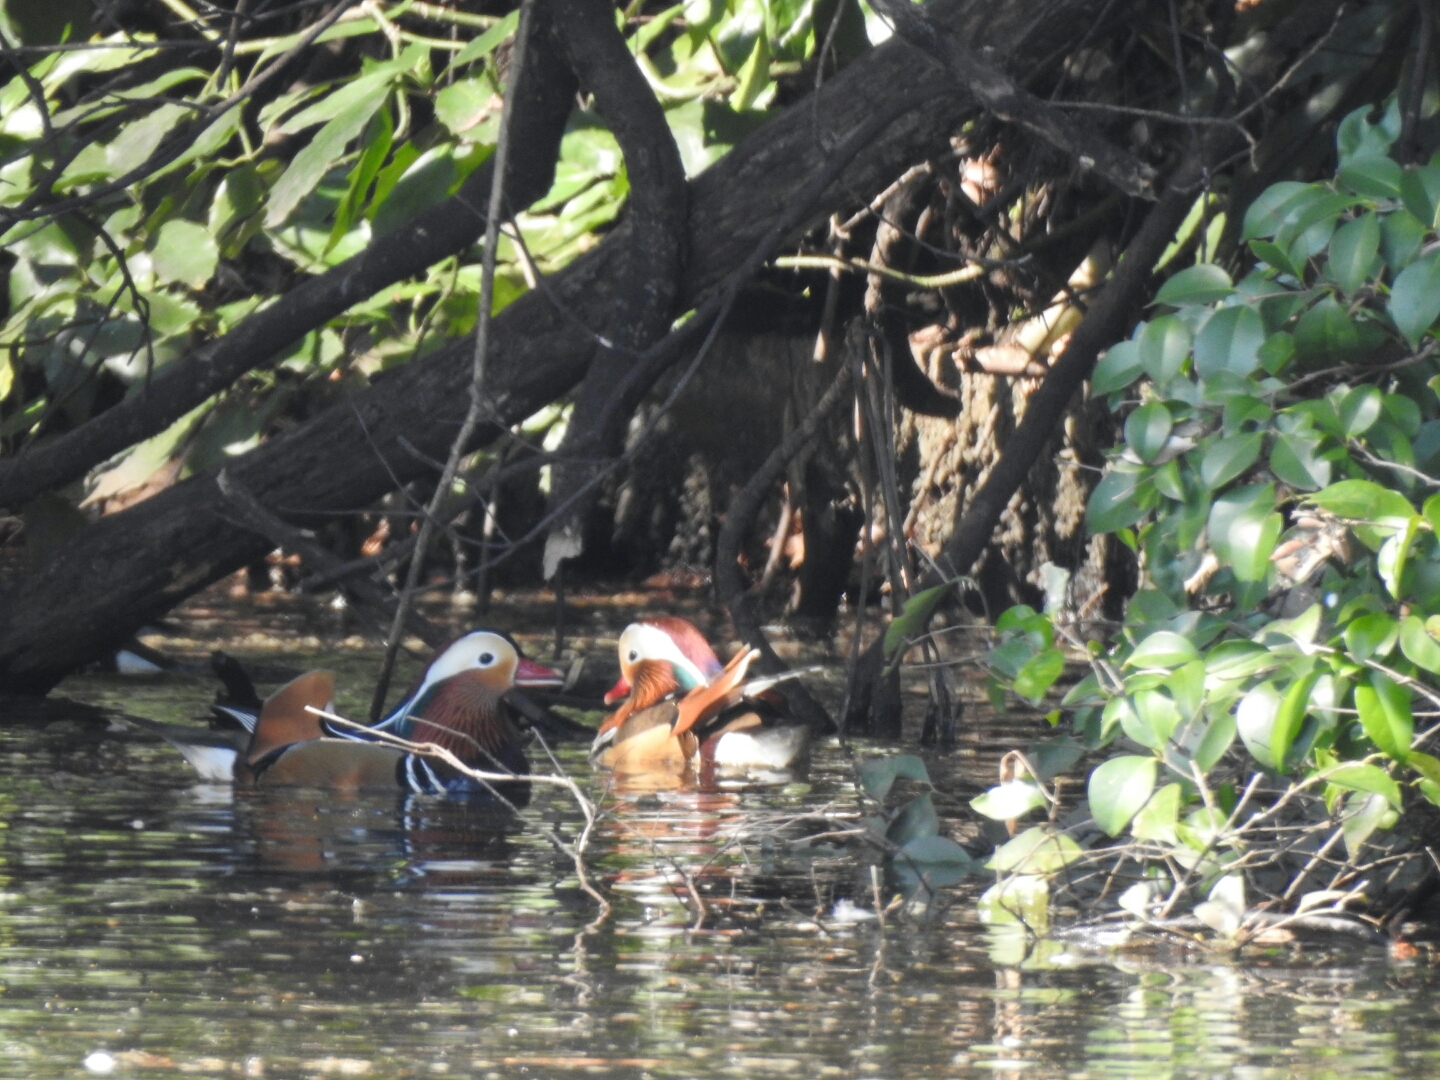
{"x": 999, "y": 94}
{"x": 543, "y": 102}
{"x": 739, "y": 515}
{"x": 656, "y": 210}
{"x": 318, "y": 560}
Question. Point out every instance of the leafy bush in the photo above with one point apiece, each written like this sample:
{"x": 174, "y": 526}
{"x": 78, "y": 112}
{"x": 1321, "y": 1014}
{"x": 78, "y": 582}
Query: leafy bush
{"x": 1270, "y": 700}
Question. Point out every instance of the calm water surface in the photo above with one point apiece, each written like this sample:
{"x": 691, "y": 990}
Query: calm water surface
{"x": 158, "y": 928}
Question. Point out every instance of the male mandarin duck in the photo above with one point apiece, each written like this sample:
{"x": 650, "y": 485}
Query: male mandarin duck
{"x": 457, "y": 704}
{"x": 682, "y": 707}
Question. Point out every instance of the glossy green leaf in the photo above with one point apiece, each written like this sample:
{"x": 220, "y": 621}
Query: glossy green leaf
{"x": 1229, "y": 341}
{"x": 1117, "y": 369}
{"x": 914, "y": 617}
{"x": 1035, "y": 851}
{"x": 487, "y": 42}
{"x": 185, "y": 252}
{"x": 1415, "y": 298}
{"x": 936, "y": 852}
{"x": 1147, "y": 429}
{"x": 1123, "y": 496}
{"x": 1009, "y": 800}
{"x": 1156, "y": 718}
{"x": 1289, "y": 718}
{"x": 1363, "y": 500}
{"x": 1353, "y": 251}
{"x": 1243, "y": 528}
{"x": 318, "y": 157}
{"x": 1204, "y": 283}
{"x": 1374, "y": 175}
{"x": 1394, "y": 553}
{"x": 1118, "y": 789}
{"x": 1163, "y": 649}
{"x": 1385, "y": 715}
{"x": 877, "y": 775}
{"x": 916, "y": 818}
{"x": 1359, "y": 409}
{"x": 1371, "y": 635}
{"x": 1255, "y": 721}
{"x": 1038, "y": 674}
{"x": 1418, "y": 645}
{"x": 1296, "y": 461}
{"x": 1156, "y": 821}
{"x": 1267, "y": 212}
{"x": 1370, "y": 779}
{"x": 1225, "y": 459}
{"x": 1420, "y": 192}
{"x": 1362, "y": 819}
{"x": 1164, "y": 346}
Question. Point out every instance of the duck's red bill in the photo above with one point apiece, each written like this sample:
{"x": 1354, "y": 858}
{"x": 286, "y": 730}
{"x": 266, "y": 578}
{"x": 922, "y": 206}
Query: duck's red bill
{"x": 619, "y": 692}
{"x": 529, "y": 673}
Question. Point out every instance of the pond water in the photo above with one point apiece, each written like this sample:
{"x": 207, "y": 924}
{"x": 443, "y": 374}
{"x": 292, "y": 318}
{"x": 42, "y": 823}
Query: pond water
{"x": 153, "y": 927}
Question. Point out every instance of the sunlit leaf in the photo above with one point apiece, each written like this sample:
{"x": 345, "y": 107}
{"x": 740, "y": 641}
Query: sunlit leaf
{"x": 1204, "y": 283}
{"x": 1415, "y": 298}
{"x": 1118, "y": 789}
{"x": 1384, "y": 709}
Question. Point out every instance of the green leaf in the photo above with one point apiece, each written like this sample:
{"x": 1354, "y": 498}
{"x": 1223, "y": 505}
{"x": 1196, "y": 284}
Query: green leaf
{"x": 1156, "y": 821}
{"x": 1162, "y": 649}
{"x": 134, "y": 145}
{"x": 1361, "y": 822}
{"x": 1374, "y": 175}
{"x": 487, "y": 42}
{"x": 1359, "y": 409}
{"x": 1418, "y": 645}
{"x": 1371, "y": 635}
{"x": 1035, "y": 851}
{"x": 916, "y": 818}
{"x": 185, "y": 252}
{"x": 1155, "y": 719}
{"x": 1225, "y": 459}
{"x": 1415, "y": 298}
{"x": 464, "y": 104}
{"x": 1278, "y": 351}
{"x": 1204, "y": 283}
{"x": 1164, "y": 346}
{"x": 1117, "y": 369}
{"x": 1353, "y": 251}
{"x": 1147, "y": 428}
{"x": 1010, "y": 800}
{"x": 1038, "y": 674}
{"x": 1123, "y": 496}
{"x": 320, "y": 156}
{"x": 1229, "y": 341}
{"x": 1394, "y": 552}
{"x": 878, "y": 775}
{"x": 1265, "y": 215}
{"x": 1255, "y": 721}
{"x": 914, "y": 617}
{"x": 378, "y": 136}
{"x": 1234, "y": 660}
{"x": 7, "y": 376}
{"x": 939, "y": 858}
{"x": 1384, "y": 710}
{"x": 1296, "y": 461}
{"x": 1118, "y": 789}
{"x": 753, "y": 76}
{"x": 1274, "y": 255}
{"x": 1243, "y": 529}
{"x": 1328, "y": 333}
{"x": 1290, "y": 716}
{"x": 1420, "y": 192}
{"x": 1370, "y": 779}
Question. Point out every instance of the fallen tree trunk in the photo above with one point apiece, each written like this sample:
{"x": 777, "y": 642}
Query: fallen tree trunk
{"x": 128, "y": 568}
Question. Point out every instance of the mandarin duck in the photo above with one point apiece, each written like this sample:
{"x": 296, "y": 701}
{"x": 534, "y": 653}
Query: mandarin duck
{"x": 457, "y": 704}
{"x": 680, "y": 707}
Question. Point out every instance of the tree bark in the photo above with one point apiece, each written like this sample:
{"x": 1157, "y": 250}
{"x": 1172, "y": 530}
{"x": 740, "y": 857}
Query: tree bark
{"x": 128, "y": 568}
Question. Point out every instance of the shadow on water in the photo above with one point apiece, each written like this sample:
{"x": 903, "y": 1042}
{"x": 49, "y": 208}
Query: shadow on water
{"x": 153, "y": 927}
